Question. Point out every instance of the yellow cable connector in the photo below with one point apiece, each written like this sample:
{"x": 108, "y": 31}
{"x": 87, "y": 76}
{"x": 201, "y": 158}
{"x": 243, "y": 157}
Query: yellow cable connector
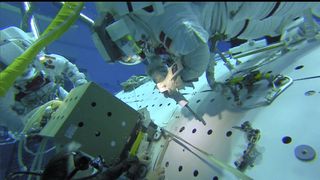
{"x": 258, "y": 76}
{"x": 134, "y": 44}
{"x": 136, "y": 144}
{"x": 129, "y": 38}
{"x": 236, "y": 80}
{"x": 267, "y": 75}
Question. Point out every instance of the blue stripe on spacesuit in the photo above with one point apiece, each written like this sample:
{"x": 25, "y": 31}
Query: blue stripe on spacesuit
{"x": 243, "y": 29}
{"x": 162, "y": 36}
{"x": 130, "y": 9}
{"x": 274, "y": 9}
{"x": 316, "y": 18}
{"x": 168, "y": 42}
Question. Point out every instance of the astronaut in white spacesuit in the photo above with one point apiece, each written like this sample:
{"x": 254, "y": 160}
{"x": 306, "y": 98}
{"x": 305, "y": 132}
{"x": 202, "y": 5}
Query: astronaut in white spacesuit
{"x": 40, "y": 83}
{"x": 152, "y": 31}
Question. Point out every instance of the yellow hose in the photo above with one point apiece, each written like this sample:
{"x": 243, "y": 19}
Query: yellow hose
{"x": 20, "y": 159}
{"x": 136, "y": 144}
{"x": 68, "y": 14}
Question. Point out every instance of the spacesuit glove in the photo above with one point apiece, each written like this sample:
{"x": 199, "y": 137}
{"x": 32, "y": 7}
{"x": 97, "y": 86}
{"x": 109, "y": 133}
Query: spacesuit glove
{"x": 80, "y": 82}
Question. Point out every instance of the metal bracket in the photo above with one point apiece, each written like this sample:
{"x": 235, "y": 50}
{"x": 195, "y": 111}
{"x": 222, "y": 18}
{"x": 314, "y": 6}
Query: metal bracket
{"x": 251, "y": 153}
{"x": 278, "y": 84}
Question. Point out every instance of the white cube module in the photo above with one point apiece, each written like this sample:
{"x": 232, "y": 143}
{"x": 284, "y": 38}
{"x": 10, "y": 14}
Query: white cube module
{"x": 101, "y": 123}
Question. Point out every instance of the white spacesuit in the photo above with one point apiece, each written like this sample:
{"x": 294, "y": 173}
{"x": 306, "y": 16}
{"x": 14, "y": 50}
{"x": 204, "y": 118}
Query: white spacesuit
{"x": 183, "y": 30}
{"x": 41, "y": 82}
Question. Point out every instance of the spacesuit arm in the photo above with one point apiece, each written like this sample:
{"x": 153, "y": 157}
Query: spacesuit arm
{"x": 62, "y": 93}
{"x": 195, "y": 63}
{"x": 57, "y": 65}
{"x": 183, "y": 35}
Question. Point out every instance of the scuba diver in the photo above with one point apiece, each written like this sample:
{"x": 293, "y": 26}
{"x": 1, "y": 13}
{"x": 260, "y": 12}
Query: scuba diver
{"x": 154, "y": 32}
{"x": 42, "y": 82}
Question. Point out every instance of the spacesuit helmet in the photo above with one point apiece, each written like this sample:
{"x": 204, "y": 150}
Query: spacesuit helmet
{"x": 114, "y": 31}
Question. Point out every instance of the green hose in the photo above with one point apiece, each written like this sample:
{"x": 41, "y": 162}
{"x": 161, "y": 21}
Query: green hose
{"x": 68, "y": 14}
{"x": 20, "y": 159}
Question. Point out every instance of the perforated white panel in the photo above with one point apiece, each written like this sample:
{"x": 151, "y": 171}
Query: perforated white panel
{"x": 293, "y": 113}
